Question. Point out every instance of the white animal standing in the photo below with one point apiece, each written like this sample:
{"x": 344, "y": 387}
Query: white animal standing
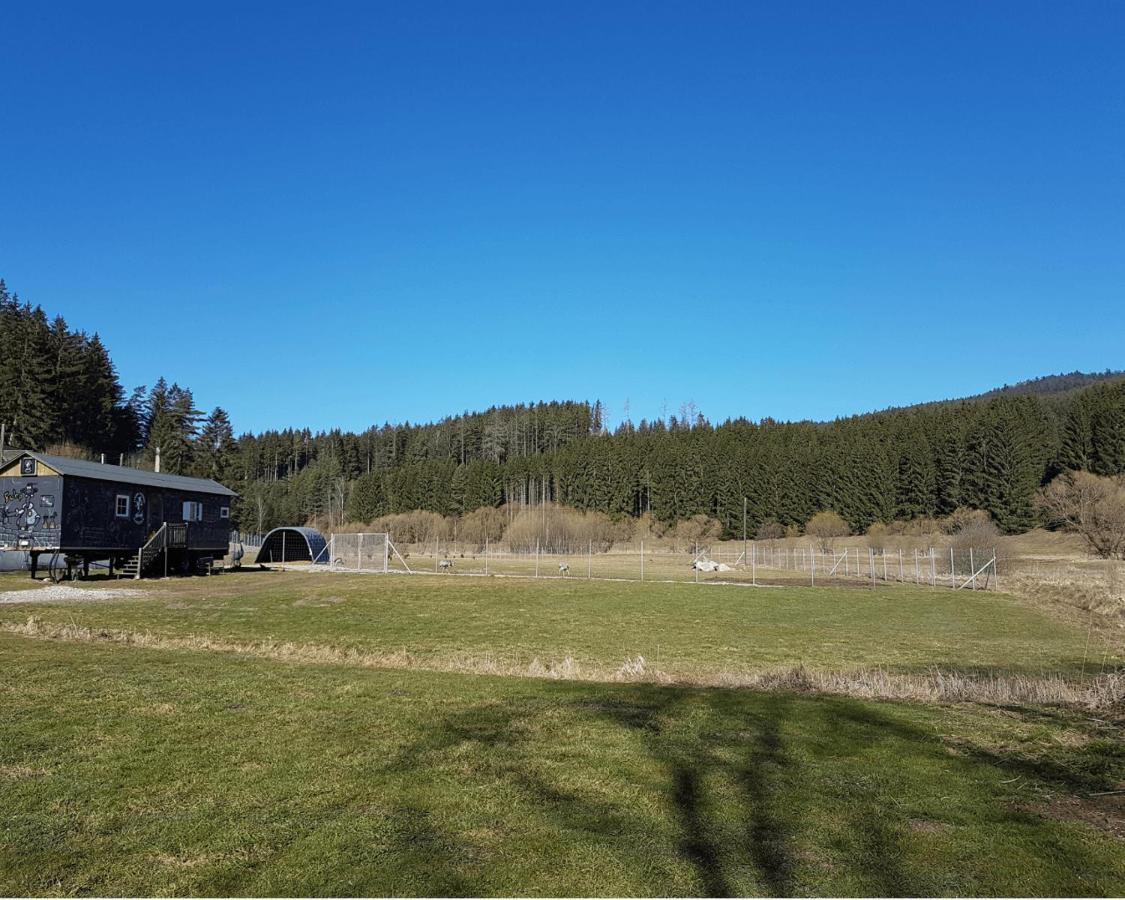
{"x": 445, "y": 565}
{"x": 564, "y": 569}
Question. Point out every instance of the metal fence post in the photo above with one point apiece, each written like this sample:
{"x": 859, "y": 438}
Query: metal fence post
{"x": 642, "y": 560}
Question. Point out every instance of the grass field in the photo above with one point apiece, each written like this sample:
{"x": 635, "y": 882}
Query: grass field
{"x": 318, "y": 734}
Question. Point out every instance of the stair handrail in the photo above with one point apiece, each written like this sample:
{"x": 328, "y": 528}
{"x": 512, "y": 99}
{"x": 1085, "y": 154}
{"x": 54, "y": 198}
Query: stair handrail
{"x": 156, "y": 543}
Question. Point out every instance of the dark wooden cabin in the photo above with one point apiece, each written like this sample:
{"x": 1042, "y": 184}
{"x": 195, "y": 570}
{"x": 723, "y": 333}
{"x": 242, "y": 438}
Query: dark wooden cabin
{"x": 74, "y": 512}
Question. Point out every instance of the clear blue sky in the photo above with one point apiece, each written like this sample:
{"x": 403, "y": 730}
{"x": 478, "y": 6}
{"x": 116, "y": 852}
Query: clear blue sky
{"x": 339, "y": 214}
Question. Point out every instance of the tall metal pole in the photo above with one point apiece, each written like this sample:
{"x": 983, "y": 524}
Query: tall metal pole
{"x": 744, "y": 531}
{"x": 642, "y": 560}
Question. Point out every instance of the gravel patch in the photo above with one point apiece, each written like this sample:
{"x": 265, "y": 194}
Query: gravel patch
{"x": 65, "y": 593}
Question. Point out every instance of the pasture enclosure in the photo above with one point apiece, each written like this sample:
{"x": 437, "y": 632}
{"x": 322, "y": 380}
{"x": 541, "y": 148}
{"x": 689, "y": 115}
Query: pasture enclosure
{"x": 751, "y": 563}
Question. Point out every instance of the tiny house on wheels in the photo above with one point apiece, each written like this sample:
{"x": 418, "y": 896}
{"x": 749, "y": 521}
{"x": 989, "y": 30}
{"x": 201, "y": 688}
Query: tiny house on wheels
{"x": 73, "y": 512}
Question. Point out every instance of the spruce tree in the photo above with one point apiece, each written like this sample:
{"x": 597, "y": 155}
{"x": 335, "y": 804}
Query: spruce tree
{"x": 215, "y": 447}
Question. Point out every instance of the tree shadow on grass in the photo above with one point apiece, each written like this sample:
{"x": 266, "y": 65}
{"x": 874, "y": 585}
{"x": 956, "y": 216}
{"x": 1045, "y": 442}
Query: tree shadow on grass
{"x": 759, "y": 751}
{"x": 691, "y": 759}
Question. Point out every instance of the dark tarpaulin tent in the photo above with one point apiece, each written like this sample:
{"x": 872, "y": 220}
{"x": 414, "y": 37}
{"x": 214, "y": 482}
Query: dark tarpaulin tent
{"x": 293, "y": 544}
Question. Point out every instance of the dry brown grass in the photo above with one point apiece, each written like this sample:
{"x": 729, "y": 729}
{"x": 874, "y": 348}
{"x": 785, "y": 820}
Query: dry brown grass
{"x": 18, "y": 773}
{"x": 1103, "y": 691}
{"x": 1095, "y": 586}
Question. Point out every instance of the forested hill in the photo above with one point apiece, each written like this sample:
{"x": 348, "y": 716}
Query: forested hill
{"x": 58, "y": 387}
{"x": 1046, "y": 385}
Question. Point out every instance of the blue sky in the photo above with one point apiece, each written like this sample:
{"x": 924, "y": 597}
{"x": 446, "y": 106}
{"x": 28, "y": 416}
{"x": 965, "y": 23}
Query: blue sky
{"x": 339, "y": 214}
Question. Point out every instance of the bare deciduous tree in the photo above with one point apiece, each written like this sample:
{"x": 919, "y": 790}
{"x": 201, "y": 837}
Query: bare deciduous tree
{"x": 971, "y": 528}
{"x": 826, "y": 526}
{"x": 482, "y": 526}
{"x": 770, "y": 530}
{"x": 1091, "y": 505}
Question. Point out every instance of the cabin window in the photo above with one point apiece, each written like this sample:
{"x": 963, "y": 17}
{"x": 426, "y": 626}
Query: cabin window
{"x": 224, "y": 512}
{"x": 121, "y": 508}
{"x": 193, "y": 511}
{"x": 27, "y": 466}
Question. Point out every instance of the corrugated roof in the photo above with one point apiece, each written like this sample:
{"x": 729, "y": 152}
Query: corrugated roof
{"x": 81, "y": 468}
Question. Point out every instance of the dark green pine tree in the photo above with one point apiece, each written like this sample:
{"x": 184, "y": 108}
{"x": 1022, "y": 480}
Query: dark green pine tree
{"x": 102, "y": 395}
{"x": 215, "y": 448}
{"x": 1076, "y": 450}
{"x": 367, "y": 500}
{"x": 154, "y": 415}
{"x": 477, "y": 483}
{"x": 9, "y": 329}
{"x": 1001, "y": 478}
{"x": 173, "y": 428}
{"x": 916, "y": 482}
{"x": 33, "y": 419}
{"x": 72, "y": 408}
{"x": 1108, "y": 430}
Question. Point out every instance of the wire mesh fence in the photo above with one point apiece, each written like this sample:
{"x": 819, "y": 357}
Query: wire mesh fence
{"x": 749, "y": 563}
{"x": 369, "y": 552}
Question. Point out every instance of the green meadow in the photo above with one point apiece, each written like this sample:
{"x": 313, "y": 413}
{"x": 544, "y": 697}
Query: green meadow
{"x": 289, "y": 733}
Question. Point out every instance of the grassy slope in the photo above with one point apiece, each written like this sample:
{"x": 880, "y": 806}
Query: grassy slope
{"x": 680, "y": 629}
{"x": 130, "y": 771}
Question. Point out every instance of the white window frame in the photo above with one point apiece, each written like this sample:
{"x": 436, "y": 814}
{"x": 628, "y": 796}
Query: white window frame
{"x": 224, "y": 512}
{"x": 193, "y": 511}
{"x": 117, "y": 506}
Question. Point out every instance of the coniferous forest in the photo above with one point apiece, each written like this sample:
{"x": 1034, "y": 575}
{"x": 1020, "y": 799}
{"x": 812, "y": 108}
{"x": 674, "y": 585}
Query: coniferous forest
{"x": 59, "y": 390}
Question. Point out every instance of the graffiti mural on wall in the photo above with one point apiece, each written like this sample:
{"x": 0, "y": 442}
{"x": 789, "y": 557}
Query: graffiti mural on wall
{"x": 21, "y": 515}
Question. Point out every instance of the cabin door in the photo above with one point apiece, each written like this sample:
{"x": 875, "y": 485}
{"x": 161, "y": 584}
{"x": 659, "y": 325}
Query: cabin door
{"x": 155, "y": 511}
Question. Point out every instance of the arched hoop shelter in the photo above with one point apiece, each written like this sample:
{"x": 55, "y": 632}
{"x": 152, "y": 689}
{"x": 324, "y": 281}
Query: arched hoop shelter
{"x": 293, "y": 544}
